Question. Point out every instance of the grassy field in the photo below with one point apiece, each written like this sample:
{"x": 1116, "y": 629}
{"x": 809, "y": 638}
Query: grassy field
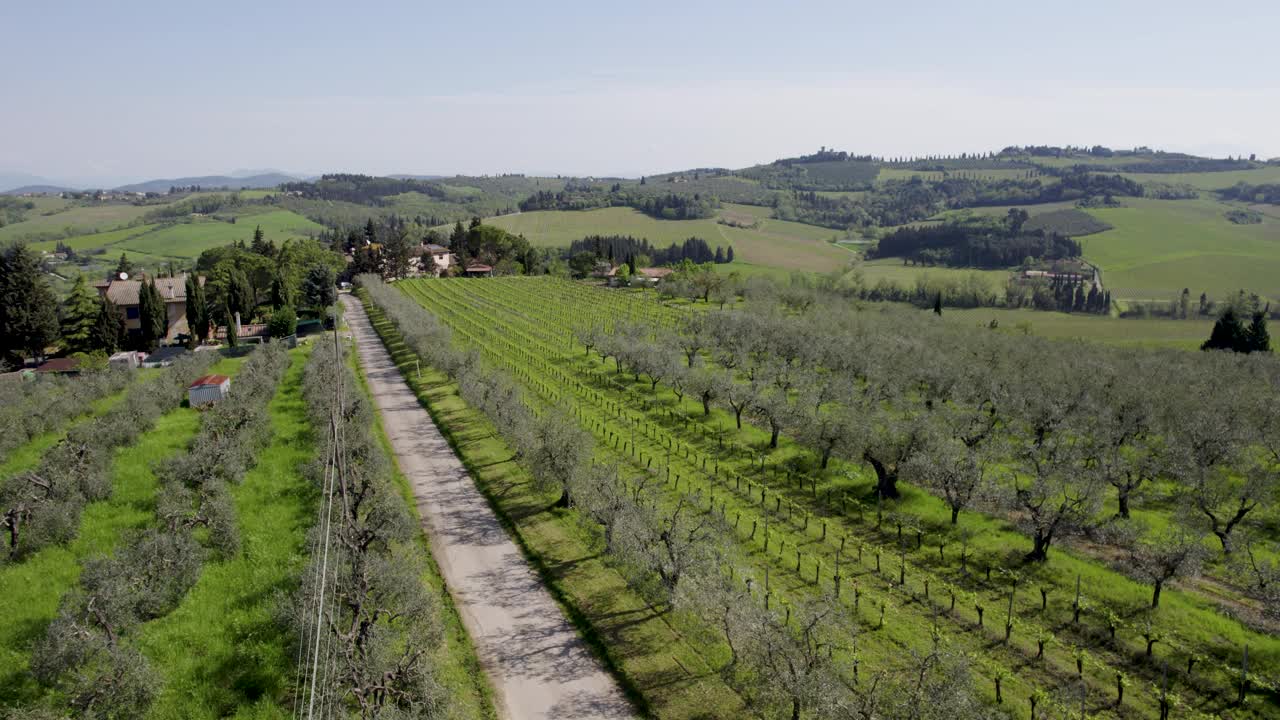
{"x": 1158, "y": 247}
{"x": 893, "y": 270}
{"x": 187, "y": 240}
{"x": 774, "y": 243}
{"x": 76, "y": 220}
{"x": 34, "y": 587}
{"x": 1212, "y": 180}
{"x": 1114, "y": 331}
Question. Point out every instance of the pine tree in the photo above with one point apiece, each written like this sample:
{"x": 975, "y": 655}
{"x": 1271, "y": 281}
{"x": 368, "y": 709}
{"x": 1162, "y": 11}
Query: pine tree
{"x": 1257, "y": 337}
{"x": 719, "y": 259}
{"x": 28, "y": 307}
{"x": 79, "y": 316}
{"x": 729, "y": 254}
{"x": 631, "y": 264}
{"x": 124, "y": 267}
{"x": 108, "y": 327}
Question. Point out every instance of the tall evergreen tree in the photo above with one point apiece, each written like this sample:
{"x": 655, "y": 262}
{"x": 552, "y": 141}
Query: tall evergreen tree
{"x": 729, "y": 254}
{"x": 1259, "y": 340}
{"x": 79, "y": 316}
{"x": 719, "y": 259}
{"x": 197, "y": 310}
{"x": 124, "y": 266}
{"x": 153, "y": 316}
{"x": 1227, "y": 333}
{"x": 318, "y": 288}
{"x": 108, "y": 327}
{"x": 233, "y": 336}
{"x": 28, "y": 307}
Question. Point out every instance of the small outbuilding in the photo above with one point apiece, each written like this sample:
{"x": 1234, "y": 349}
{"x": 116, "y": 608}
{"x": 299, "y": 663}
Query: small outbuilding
{"x": 128, "y": 359}
{"x": 479, "y": 270}
{"x": 208, "y": 390}
{"x": 163, "y": 357}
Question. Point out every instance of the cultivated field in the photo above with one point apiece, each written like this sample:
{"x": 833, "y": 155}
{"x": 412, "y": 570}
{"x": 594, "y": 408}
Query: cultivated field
{"x": 774, "y": 243}
{"x": 805, "y": 535}
{"x": 1159, "y": 247}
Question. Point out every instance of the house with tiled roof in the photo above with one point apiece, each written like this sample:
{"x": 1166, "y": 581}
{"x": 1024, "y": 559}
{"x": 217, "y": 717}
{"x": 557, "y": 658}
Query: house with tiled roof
{"x": 123, "y": 291}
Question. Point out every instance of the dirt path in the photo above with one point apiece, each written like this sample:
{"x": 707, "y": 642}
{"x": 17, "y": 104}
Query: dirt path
{"x": 536, "y": 663}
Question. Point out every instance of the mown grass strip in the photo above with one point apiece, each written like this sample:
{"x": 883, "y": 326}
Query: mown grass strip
{"x": 33, "y": 587}
{"x": 222, "y": 651}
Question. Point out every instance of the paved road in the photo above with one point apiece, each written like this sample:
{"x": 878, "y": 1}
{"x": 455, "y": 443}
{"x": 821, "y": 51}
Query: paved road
{"x": 536, "y": 662}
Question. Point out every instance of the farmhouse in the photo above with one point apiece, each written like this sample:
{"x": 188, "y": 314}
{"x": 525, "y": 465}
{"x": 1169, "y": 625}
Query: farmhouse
{"x": 208, "y": 390}
{"x": 441, "y": 260}
{"x": 653, "y": 275}
{"x": 123, "y": 293}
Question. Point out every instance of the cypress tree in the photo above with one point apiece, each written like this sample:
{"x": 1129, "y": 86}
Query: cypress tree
{"x": 631, "y": 264}
{"x": 719, "y": 255}
{"x": 1257, "y": 337}
{"x": 153, "y": 315}
{"x": 729, "y": 254}
{"x": 108, "y": 328}
{"x": 28, "y": 307}
{"x": 197, "y": 311}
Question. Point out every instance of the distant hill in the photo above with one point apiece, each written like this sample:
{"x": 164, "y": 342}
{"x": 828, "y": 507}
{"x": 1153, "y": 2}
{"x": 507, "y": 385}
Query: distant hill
{"x": 19, "y": 182}
{"x": 210, "y": 181}
{"x": 418, "y": 177}
{"x": 48, "y": 189}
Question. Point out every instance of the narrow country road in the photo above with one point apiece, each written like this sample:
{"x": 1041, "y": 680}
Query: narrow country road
{"x": 537, "y": 664}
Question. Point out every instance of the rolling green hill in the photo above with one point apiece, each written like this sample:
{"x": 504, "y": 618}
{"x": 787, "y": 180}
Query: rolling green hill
{"x": 776, "y": 243}
{"x": 1158, "y": 247}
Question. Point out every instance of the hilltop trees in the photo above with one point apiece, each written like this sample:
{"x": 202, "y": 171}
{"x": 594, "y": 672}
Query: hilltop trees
{"x": 1230, "y": 333}
{"x": 28, "y": 307}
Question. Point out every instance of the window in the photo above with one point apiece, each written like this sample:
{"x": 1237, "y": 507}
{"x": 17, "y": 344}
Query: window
{"x": 131, "y": 313}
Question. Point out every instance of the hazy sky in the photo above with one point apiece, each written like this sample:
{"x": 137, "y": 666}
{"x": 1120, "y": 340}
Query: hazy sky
{"x": 114, "y": 91}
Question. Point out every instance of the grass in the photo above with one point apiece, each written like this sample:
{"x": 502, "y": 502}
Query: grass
{"x": 76, "y": 220}
{"x": 775, "y": 243}
{"x": 657, "y": 665}
{"x": 27, "y": 456}
{"x": 1212, "y": 180}
{"x": 91, "y": 241}
{"x": 1158, "y": 247}
{"x": 34, "y": 587}
{"x": 892, "y": 269}
{"x": 221, "y": 651}
{"x": 1154, "y": 332}
{"x": 186, "y": 241}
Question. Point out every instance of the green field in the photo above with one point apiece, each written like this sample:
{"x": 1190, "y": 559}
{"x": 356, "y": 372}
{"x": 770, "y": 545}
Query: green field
{"x": 1154, "y": 332}
{"x": 1159, "y": 247}
{"x": 74, "y": 221}
{"x": 1212, "y": 180}
{"x": 522, "y": 325}
{"x": 894, "y": 271}
{"x": 187, "y": 240}
{"x": 775, "y": 243}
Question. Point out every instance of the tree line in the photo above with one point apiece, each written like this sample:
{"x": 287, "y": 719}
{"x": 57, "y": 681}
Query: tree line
{"x": 977, "y": 242}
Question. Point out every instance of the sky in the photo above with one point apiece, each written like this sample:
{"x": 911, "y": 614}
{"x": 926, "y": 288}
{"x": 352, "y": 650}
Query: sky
{"x": 113, "y": 92}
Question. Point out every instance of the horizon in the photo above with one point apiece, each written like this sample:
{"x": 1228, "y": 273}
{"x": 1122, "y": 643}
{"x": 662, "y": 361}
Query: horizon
{"x": 580, "y": 90}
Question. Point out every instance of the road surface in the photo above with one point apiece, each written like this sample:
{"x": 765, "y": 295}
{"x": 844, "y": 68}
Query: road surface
{"x": 537, "y": 664}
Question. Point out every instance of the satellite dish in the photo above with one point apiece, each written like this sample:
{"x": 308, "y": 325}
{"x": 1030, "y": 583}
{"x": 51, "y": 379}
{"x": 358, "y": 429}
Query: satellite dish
{"x": 124, "y": 276}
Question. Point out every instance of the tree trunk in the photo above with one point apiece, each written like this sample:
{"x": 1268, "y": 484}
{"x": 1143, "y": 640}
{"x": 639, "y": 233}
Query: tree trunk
{"x": 737, "y": 416}
{"x": 564, "y": 499}
{"x": 1040, "y": 551}
{"x": 773, "y": 436}
{"x": 955, "y": 515}
{"x": 886, "y": 480}
{"x": 826, "y": 457}
{"x": 1122, "y": 499}
{"x": 706, "y": 406}
{"x": 1155, "y": 594}
{"x": 795, "y": 709}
